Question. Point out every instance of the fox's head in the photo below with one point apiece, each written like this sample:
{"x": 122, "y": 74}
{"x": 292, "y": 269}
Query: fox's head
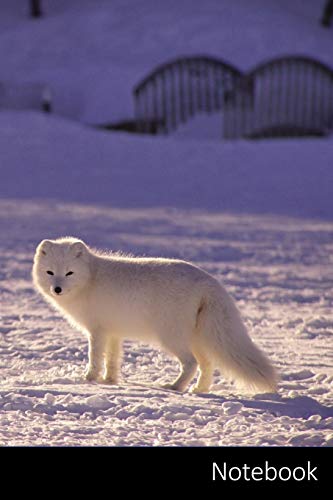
{"x": 61, "y": 267}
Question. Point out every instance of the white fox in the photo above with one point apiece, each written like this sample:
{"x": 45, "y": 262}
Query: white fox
{"x": 172, "y": 302}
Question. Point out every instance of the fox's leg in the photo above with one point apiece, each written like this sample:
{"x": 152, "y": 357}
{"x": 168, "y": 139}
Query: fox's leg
{"x": 205, "y": 374}
{"x": 189, "y": 367}
{"x": 96, "y": 356}
{"x": 112, "y": 360}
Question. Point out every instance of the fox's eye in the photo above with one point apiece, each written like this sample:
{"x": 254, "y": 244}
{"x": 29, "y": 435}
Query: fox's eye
{"x": 50, "y": 272}
{"x": 69, "y": 273}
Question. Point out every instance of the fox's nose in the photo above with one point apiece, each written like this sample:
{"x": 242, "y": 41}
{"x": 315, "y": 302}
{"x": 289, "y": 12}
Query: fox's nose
{"x": 58, "y": 289}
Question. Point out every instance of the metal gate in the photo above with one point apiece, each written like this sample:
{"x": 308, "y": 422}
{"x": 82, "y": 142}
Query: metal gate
{"x": 176, "y": 91}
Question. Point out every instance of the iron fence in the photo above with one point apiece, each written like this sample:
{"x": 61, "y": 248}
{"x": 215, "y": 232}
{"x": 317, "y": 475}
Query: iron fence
{"x": 285, "y": 96}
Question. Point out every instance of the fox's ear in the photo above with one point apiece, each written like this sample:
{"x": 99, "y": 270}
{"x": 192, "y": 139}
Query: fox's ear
{"x": 44, "y": 247}
{"x": 78, "y": 248}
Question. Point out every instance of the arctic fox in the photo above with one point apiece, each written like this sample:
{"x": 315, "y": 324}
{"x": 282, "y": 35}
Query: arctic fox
{"x": 172, "y": 302}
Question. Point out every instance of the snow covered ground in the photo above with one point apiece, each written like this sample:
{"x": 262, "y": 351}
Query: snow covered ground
{"x": 257, "y": 215}
{"x": 150, "y": 196}
{"x": 50, "y": 158}
{"x": 92, "y": 53}
{"x": 280, "y": 272}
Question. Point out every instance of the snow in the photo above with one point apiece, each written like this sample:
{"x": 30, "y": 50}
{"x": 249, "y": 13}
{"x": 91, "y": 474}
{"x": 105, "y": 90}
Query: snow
{"x": 129, "y": 171}
{"x": 257, "y": 215}
{"x": 43, "y": 396}
{"x": 92, "y": 54}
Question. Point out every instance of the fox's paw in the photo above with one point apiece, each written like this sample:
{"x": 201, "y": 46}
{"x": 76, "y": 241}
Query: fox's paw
{"x": 199, "y": 390}
{"x": 109, "y": 381}
{"x": 172, "y": 387}
{"x": 91, "y": 375}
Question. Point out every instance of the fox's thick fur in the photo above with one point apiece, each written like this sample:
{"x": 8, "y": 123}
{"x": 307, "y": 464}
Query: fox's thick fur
{"x": 171, "y": 302}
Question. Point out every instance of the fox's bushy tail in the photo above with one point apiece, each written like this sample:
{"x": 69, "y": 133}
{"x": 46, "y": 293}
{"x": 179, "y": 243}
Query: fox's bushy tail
{"x": 224, "y": 337}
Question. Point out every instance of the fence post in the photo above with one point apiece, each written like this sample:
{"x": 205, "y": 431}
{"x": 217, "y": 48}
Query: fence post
{"x": 47, "y": 100}
{"x": 327, "y": 14}
{"x": 35, "y": 8}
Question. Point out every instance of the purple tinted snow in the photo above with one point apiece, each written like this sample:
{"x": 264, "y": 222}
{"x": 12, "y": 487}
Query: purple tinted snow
{"x": 63, "y": 161}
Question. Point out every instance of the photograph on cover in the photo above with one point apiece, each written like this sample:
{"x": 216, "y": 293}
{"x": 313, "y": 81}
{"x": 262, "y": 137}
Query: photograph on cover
{"x": 166, "y": 204}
